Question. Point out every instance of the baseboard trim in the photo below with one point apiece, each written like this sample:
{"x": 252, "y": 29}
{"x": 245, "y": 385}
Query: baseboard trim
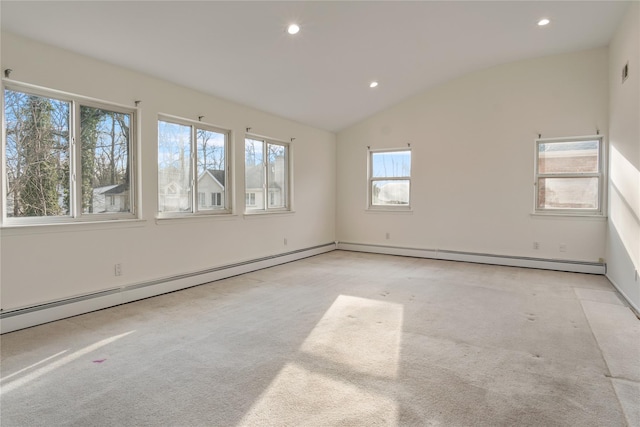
{"x": 26, "y": 317}
{"x": 632, "y": 306}
{"x": 511, "y": 261}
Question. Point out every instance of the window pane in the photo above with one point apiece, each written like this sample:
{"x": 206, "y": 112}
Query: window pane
{"x": 387, "y": 193}
{"x": 568, "y": 157}
{"x": 254, "y": 174}
{"x": 277, "y": 168}
{"x": 391, "y": 165}
{"x": 211, "y": 166}
{"x": 174, "y": 167}
{"x": 37, "y": 155}
{"x": 105, "y": 160}
{"x": 568, "y": 193}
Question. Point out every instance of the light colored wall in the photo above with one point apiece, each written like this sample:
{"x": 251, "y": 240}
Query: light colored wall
{"x": 42, "y": 264}
{"x": 472, "y": 143}
{"x": 623, "y": 231}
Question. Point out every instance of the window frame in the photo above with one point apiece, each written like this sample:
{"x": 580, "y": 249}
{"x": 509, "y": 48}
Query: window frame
{"x": 226, "y": 207}
{"x": 600, "y": 175}
{"x": 76, "y": 214}
{"x": 287, "y": 196}
{"x": 371, "y": 179}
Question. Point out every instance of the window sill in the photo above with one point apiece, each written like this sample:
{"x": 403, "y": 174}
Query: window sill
{"x": 262, "y": 214}
{"x": 65, "y": 227}
{"x": 390, "y": 210}
{"x": 174, "y": 219}
{"x": 568, "y": 215}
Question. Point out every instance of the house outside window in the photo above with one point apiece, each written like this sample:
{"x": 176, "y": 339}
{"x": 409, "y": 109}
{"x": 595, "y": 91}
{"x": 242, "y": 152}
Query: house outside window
{"x": 266, "y": 175}
{"x": 66, "y": 158}
{"x": 192, "y": 159}
{"x": 389, "y": 179}
{"x": 569, "y": 177}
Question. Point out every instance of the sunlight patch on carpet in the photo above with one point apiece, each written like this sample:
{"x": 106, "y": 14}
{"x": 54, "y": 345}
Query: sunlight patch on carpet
{"x": 344, "y": 373}
{"x": 58, "y": 363}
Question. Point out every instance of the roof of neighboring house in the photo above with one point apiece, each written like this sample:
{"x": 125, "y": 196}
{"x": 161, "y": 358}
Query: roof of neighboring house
{"x": 111, "y": 189}
{"x": 219, "y": 175}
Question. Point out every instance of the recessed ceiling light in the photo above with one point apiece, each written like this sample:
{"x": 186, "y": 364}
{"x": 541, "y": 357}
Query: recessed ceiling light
{"x": 373, "y": 84}
{"x": 293, "y": 29}
{"x": 543, "y": 22}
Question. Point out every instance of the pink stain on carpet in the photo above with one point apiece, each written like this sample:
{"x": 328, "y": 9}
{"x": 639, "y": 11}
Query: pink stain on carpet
{"x": 99, "y": 360}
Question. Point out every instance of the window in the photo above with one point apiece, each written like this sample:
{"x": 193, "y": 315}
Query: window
{"x": 49, "y": 178}
{"x": 389, "y": 178}
{"x": 569, "y": 176}
{"x": 191, "y": 160}
{"x": 266, "y": 174}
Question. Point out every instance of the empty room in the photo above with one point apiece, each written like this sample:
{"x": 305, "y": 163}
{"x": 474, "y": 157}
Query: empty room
{"x": 320, "y": 213}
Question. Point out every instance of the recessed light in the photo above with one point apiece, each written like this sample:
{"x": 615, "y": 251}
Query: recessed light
{"x": 373, "y": 84}
{"x": 293, "y": 29}
{"x": 543, "y": 22}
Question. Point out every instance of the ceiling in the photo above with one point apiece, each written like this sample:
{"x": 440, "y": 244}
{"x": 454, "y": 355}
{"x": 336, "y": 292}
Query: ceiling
{"x": 239, "y": 50}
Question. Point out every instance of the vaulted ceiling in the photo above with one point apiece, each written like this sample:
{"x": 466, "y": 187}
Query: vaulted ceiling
{"x": 239, "y": 50}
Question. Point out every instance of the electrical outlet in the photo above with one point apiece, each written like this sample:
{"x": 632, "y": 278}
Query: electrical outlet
{"x": 388, "y": 235}
{"x": 536, "y": 245}
{"x": 117, "y": 269}
{"x": 563, "y": 247}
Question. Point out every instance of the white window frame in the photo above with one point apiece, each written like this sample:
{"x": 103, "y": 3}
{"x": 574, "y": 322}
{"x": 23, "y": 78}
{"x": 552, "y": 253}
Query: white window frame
{"x": 287, "y": 193}
{"x": 194, "y": 202}
{"x": 75, "y": 155}
{"x": 600, "y": 174}
{"x": 371, "y": 179}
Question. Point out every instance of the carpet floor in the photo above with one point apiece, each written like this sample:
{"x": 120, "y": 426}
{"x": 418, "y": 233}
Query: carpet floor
{"x": 339, "y": 339}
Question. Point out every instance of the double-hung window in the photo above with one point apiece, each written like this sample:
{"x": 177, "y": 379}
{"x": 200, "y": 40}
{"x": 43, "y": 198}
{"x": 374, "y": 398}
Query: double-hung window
{"x": 192, "y": 163}
{"x": 266, "y": 175}
{"x": 66, "y": 158}
{"x": 569, "y": 175}
{"x": 389, "y": 178}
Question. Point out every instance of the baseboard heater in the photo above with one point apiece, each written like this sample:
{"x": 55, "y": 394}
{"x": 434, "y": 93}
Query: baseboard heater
{"x": 25, "y": 317}
{"x": 511, "y": 261}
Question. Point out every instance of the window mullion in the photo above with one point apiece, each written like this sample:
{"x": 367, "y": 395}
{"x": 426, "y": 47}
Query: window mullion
{"x": 194, "y": 170}
{"x": 133, "y": 168}
{"x": 265, "y": 171}
{"x": 75, "y": 163}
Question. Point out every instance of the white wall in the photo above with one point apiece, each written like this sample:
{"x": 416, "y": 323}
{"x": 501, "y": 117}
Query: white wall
{"x": 473, "y": 152}
{"x": 42, "y": 264}
{"x": 623, "y": 231}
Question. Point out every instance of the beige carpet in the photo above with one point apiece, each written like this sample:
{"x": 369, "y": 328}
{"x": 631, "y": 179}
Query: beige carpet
{"x": 340, "y": 339}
